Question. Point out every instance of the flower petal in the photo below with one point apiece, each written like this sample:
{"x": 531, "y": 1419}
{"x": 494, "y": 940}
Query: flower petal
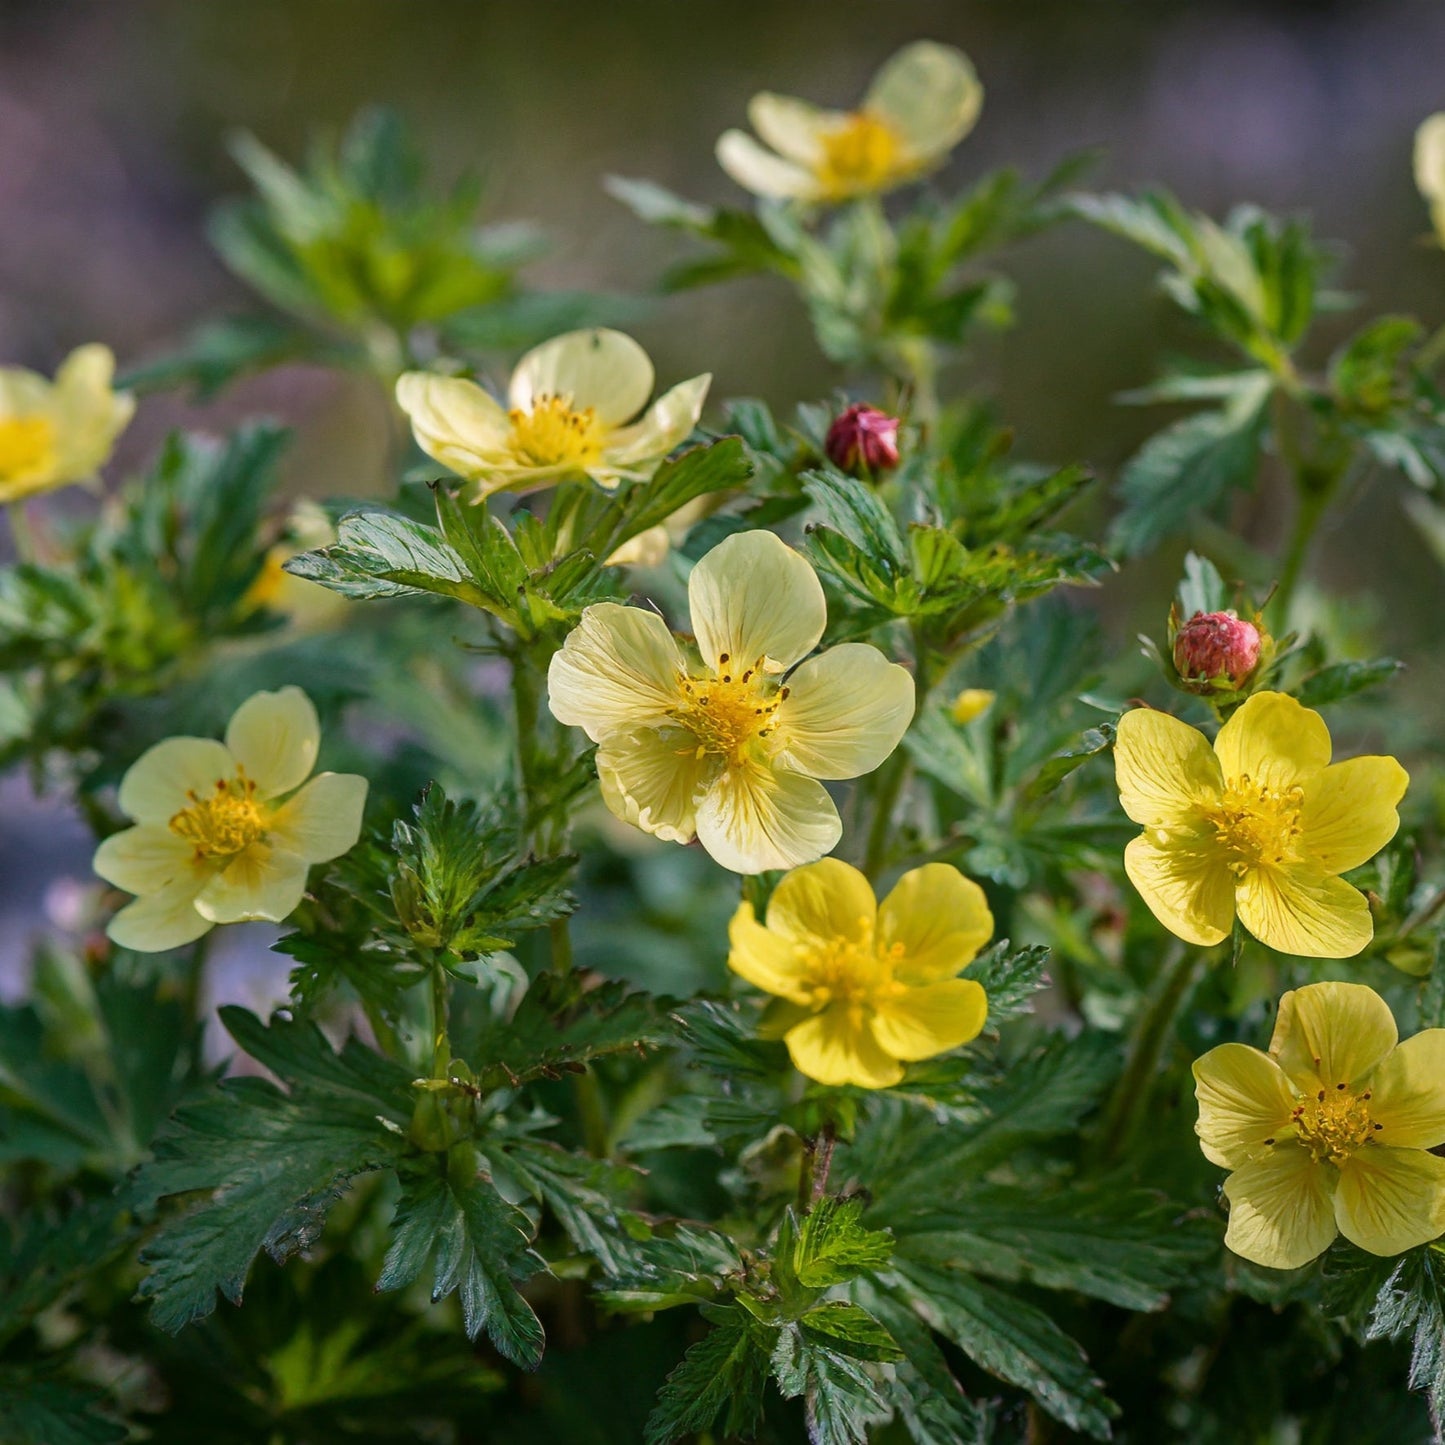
{"x": 758, "y": 170}
{"x": 90, "y": 414}
{"x": 1244, "y": 1100}
{"x": 1390, "y": 1200}
{"x": 650, "y": 778}
{"x": 275, "y": 736}
{"x": 154, "y": 788}
{"x": 323, "y": 820}
{"x": 813, "y": 907}
{"x": 454, "y": 421}
{"x": 1281, "y": 1214}
{"x": 599, "y": 368}
{"x": 1298, "y": 909}
{"x": 1429, "y": 157}
{"x": 1328, "y": 1034}
{"x": 144, "y": 859}
{"x": 1408, "y": 1093}
{"x": 263, "y": 882}
{"x": 619, "y": 667}
{"x": 931, "y": 1019}
{"x": 846, "y": 711}
{"x": 1274, "y": 741}
{"x": 161, "y": 921}
{"x": 766, "y": 959}
{"x": 930, "y": 94}
{"x": 831, "y": 1049}
{"x": 755, "y": 818}
{"x": 1186, "y": 883}
{"x": 666, "y": 424}
{"x": 792, "y": 127}
{"x": 754, "y": 598}
{"x": 1164, "y": 768}
{"x": 939, "y": 918}
{"x": 1349, "y": 811}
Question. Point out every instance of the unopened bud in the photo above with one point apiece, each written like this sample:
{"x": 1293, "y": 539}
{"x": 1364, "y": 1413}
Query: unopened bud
{"x": 1217, "y": 649}
{"x": 862, "y": 438}
{"x": 972, "y": 702}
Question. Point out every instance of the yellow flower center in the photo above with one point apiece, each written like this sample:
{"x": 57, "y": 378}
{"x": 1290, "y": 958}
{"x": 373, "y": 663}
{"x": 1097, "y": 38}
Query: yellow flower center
{"x": 553, "y": 435}
{"x": 224, "y": 822}
{"x": 863, "y": 154}
{"x": 27, "y": 445}
{"x": 731, "y": 714}
{"x": 853, "y": 973}
{"x": 1255, "y": 824}
{"x": 1334, "y": 1123}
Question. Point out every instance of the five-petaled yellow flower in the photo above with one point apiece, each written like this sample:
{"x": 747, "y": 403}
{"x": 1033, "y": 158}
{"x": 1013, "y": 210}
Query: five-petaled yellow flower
{"x": 222, "y": 835}
{"x": 55, "y": 433}
{"x": 569, "y": 414}
{"x": 1430, "y": 168}
{"x": 1329, "y": 1131}
{"x": 919, "y": 106}
{"x": 726, "y": 741}
{"x": 1260, "y": 823}
{"x": 865, "y": 987}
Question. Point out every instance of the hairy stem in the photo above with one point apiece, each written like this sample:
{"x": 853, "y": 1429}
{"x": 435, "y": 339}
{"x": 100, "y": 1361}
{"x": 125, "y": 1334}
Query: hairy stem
{"x": 817, "y": 1161}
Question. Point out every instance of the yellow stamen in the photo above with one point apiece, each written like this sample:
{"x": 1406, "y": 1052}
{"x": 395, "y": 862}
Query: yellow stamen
{"x": 553, "y": 435}
{"x": 731, "y": 712}
{"x": 27, "y": 446}
{"x": 1256, "y": 825}
{"x": 856, "y": 974}
{"x": 863, "y": 154}
{"x": 1334, "y": 1124}
{"x": 224, "y": 822}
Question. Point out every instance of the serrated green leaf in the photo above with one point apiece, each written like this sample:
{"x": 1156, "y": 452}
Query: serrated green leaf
{"x": 833, "y": 1246}
{"x": 848, "y": 1329}
{"x": 1010, "y": 978}
{"x": 727, "y": 1367}
{"x": 1344, "y": 679}
{"x": 36, "y": 1410}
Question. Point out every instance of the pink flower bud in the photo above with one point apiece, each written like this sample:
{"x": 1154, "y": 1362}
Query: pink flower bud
{"x": 863, "y": 438}
{"x": 1217, "y": 647}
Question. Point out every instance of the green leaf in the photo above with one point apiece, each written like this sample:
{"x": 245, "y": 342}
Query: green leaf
{"x": 1010, "y": 978}
{"x": 221, "y": 352}
{"x": 854, "y": 509}
{"x": 727, "y": 1367}
{"x": 1412, "y": 1302}
{"x": 514, "y": 324}
{"x": 833, "y": 1246}
{"x": 1365, "y": 373}
{"x": 840, "y": 1399}
{"x": 848, "y": 1329}
{"x": 716, "y": 467}
{"x": 35, "y": 1410}
{"x": 1091, "y": 743}
{"x": 1345, "y": 679}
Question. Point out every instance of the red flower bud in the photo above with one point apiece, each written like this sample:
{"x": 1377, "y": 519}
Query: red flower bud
{"x": 1217, "y": 647}
{"x": 863, "y": 438}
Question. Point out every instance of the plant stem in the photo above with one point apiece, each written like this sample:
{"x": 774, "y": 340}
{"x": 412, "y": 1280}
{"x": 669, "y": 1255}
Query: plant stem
{"x": 1313, "y": 503}
{"x": 441, "y": 1037}
{"x": 892, "y": 777}
{"x": 817, "y": 1161}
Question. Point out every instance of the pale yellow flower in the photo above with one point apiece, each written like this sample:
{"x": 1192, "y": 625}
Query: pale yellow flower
{"x": 918, "y": 107}
{"x": 55, "y": 433}
{"x": 726, "y": 741}
{"x": 867, "y": 987}
{"x": 222, "y": 833}
{"x": 1260, "y": 824}
{"x": 569, "y": 413}
{"x": 1329, "y": 1131}
{"x": 1430, "y": 168}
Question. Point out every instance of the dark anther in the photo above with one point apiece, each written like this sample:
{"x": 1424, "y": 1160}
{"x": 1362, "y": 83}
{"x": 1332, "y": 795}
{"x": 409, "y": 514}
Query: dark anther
{"x": 1339, "y": 1086}
{"x": 1321, "y": 1096}
{"x": 1269, "y": 1141}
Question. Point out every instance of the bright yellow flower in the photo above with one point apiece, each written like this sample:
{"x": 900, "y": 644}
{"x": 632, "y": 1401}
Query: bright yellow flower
{"x": 971, "y": 703}
{"x": 919, "y": 106}
{"x": 716, "y": 742}
{"x": 867, "y": 987}
{"x": 1329, "y": 1131}
{"x": 55, "y": 433}
{"x": 1430, "y": 168}
{"x": 1260, "y": 824}
{"x": 222, "y": 835}
{"x": 569, "y": 412}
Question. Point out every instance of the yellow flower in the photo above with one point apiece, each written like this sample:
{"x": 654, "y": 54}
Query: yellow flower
{"x": 569, "y": 413}
{"x": 715, "y": 742}
{"x": 867, "y": 987}
{"x": 1260, "y": 824}
{"x": 1329, "y": 1131}
{"x": 971, "y": 703}
{"x": 54, "y": 433}
{"x": 1430, "y": 168}
{"x": 222, "y": 835}
{"x": 919, "y": 106}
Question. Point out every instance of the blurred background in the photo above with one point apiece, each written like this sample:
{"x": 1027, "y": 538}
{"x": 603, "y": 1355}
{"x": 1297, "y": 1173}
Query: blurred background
{"x": 113, "y": 121}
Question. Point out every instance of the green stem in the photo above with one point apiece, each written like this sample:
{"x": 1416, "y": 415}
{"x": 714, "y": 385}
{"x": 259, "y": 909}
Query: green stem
{"x": 817, "y": 1161}
{"x": 441, "y": 1037}
{"x": 1313, "y": 504}
{"x": 891, "y": 778}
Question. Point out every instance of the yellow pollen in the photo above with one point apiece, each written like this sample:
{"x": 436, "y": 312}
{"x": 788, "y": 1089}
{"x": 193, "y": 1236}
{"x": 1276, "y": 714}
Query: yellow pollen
{"x": 856, "y": 974}
{"x": 732, "y": 712}
{"x": 27, "y": 446}
{"x": 1334, "y": 1123}
{"x": 553, "y": 435}
{"x": 863, "y": 154}
{"x": 223, "y": 822}
{"x": 1256, "y": 825}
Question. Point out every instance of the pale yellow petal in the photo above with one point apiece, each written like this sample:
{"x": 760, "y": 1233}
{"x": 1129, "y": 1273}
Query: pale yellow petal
{"x": 1301, "y": 910}
{"x": 598, "y": 368}
{"x": 161, "y": 921}
{"x": 1186, "y": 883}
{"x": 1274, "y": 741}
{"x": 1329, "y": 1034}
{"x": 825, "y": 901}
{"x": 646, "y": 549}
{"x": 1281, "y": 1213}
{"x": 831, "y": 1048}
{"x": 754, "y": 599}
{"x": 275, "y": 736}
{"x": 766, "y": 959}
{"x": 651, "y": 778}
{"x": 25, "y": 393}
{"x": 1407, "y": 1093}
{"x": 144, "y": 859}
{"x": 261, "y": 883}
{"x": 792, "y": 127}
{"x": 154, "y": 788}
{"x": 1349, "y": 811}
{"x": 845, "y": 712}
{"x": 1430, "y": 157}
{"x": 1245, "y": 1104}
{"x": 323, "y": 820}
{"x": 666, "y": 424}
{"x": 619, "y": 667}
{"x": 930, "y": 94}
{"x": 939, "y": 919}
{"x": 90, "y": 415}
{"x": 758, "y": 170}
{"x": 454, "y": 421}
{"x": 922, "y": 1022}
{"x": 1164, "y": 768}
{"x": 753, "y": 819}
{"x": 1390, "y": 1200}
